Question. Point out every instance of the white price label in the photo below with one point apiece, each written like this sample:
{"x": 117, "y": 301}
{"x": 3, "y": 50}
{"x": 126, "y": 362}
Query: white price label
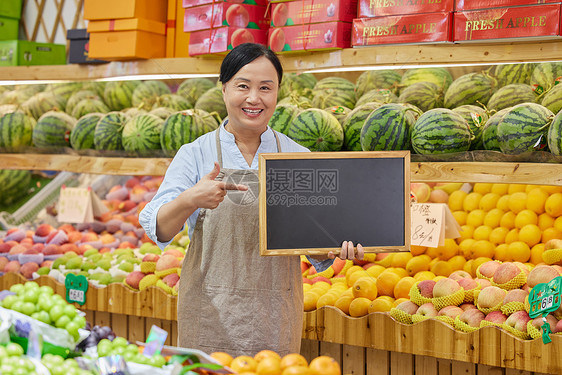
{"x": 547, "y": 302}
{"x": 76, "y": 295}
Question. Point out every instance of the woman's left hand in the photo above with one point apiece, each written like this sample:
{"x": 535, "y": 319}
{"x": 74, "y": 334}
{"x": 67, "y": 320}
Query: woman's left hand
{"x": 348, "y": 251}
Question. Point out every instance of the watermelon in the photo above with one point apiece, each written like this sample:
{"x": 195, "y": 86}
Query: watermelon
{"x": 333, "y": 98}
{"x": 86, "y": 106}
{"x": 338, "y": 112}
{"x": 162, "y": 112}
{"x": 472, "y": 88}
{"x": 108, "y": 133}
{"x": 119, "y": 95}
{"x": 142, "y": 133}
{"x": 524, "y": 128}
{"x": 185, "y": 127}
{"x": 386, "y": 129}
{"x": 300, "y": 101}
{"x": 545, "y": 74}
{"x": 53, "y": 130}
{"x": 316, "y": 130}
{"x": 5, "y": 88}
{"x": 63, "y": 91}
{"x": 440, "y": 131}
{"x": 282, "y": 117}
{"x": 16, "y": 129}
{"x": 353, "y": 123}
{"x": 424, "y": 95}
{"x": 15, "y": 97}
{"x": 376, "y": 79}
{"x": 554, "y": 136}
{"x": 507, "y": 74}
{"x": 145, "y": 94}
{"x": 9, "y": 108}
{"x": 334, "y": 83}
{"x": 439, "y": 76}
{"x": 95, "y": 86}
{"x": 40, "y": 103}
{"x": 172, "y": 101}
{"x": 296, "y": 84}
{"x": 82, "y": 135}
{"x": 553, "y": 99}
{"x": 476, "y": 117}
{"x": 132, "y": 112}
{"x": 191, "y": 89}
{"x": 381, "y": 96}
{"x": 212, "y": 101}
{"x": 14, "y": 184}
{"x": 412, "y": 111}
{"x": 511, "y": 95}
{"x": 490, "y": 131}
{"x": 77, "y": 97}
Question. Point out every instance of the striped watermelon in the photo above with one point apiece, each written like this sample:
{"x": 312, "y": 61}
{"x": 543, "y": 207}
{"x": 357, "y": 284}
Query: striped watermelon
{"x": 339, "y": 112}
{"x": 412, "y": 111}
{"x": 317, "y": 130}
{"x": 554, "y": 136}
{"x": 353, "y": 123}
{"x": 14, "y": 184}
{"x": 119, "y": 95}
{"x": 16, "y": 129}
{"x": 9, "y": 108}
{"x": 524, "y": 128}
{"x": 553, "y": 99}
{"x": 15, "y": 97}
{"x": 185, "y": 127}
{"x": 511, "y": 95}
{"x": 132, "y": 112}
{"x": 145, "y": 94}
{"x": 386, "y": 129}
{"x": 439, "y": 76}
{"x": 513, "y": 73}
{"x": 440, "y": 131}
{"x": 82, "y": 135}
{"x": 86, "y": 106}
{"x": 282, "y": 117}
{"x": 192, "y": 88}
{"x": 376, "y": 79}
{"x": 424, "y": 95}
{"x": 53, "y": 130}
{"x": 172, "y": 101}
{"x": 212, "y": 101}
{"x": 476, "y": 117}
{"x": 63, "y": 91}
{"x": 300, "y": 101}
{"x": 382, "y": 96}
{"x": 336, "y": 83}
{"x": 108, "y": 133}
{"x": 142, "y": 133}
{"x": 545, "y": 74}
{"x": 77, "y": 97}
{"x": 472, "y": 88}
{"x": 333, "y": 98}
{"x": 490, "y": 131}
{"x": 94, "y": 86}
{"x": 162, "y": 112}
{"x": 41, "y": 103}
{"x": 299, "y": 84}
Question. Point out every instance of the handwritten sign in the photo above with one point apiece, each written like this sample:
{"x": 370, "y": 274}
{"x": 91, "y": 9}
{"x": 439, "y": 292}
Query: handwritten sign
{"x": 431, "y": 224}
{"x": 79, "y": 205}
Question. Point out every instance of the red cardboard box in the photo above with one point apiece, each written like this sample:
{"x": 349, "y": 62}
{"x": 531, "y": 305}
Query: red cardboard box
{"x": 412, "y": 28}
{"x": 225, "y": 14}
{"x": 312, "y": 11}
{"x": 486, "y": 4}
{"x": 223, "y": 39}
{"x": 375, "y": 8}
{"x": 310, "y": 37}
{"x": 194, "y": 3}
{"x": 500, "y": 23}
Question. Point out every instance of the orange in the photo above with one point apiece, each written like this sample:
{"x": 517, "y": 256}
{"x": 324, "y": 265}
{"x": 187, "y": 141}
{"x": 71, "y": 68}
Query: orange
{"x": 381, "y": 304}
{"x": 449, "y": 249}
{"x": 466, "y": 247}
{"x": 558, "y": 223}
{"x": 310, "y": 300}
{"x": 269, "y": 366}
{"x": 536, "y": 253}
{"x": 525, "y": 217}
{"x": 517, "y": 201}
{"x": 460, "y": 217}
{"x": 468, "y": 266}
{"x": 501, "y": 252}
{"x": 432, "y": 252}
{"x": 343, "y": 303}
{"x": 475, "y": 218}
{"x": 482, "y": 232}
{"x": 356, "y": 276}
{"x": 424, "y": 275}
{"x": 493, "y": 217}
{"x": 530, "y": 234}
{"x": 306, "y": 287}
{"x": 549, "y": 234}
{"x": 222, "y": 358}
{"x": 324, "y": 365}
{"x": 497, "y": 236}
{"x": 328, "y": 299}
{"x": 512, "y": 236}
{"x": 296, "y": 370}
{"x": 545, "y": 221}
{"x": 265, "y": 354}
{"x": 399, "y": 271}
{"x": 500, "y": 189}
{"x": 417, "y": 250}
{"x": 482, "y": 188}
{"x": 514, "y": 188}
{"x": 359, "y": 307}
{"x": 403, "y": 286}
{"x": 553, "y": 205}
{"x": 489, "y": 201}
{"x": 353, "y": 269}
{"x": 365, "y": 287}
{"x": 456, "y": 199}
{"x": 417, "y": 264}
{"x": 471, "y": 201}
{"x": 401, "y": 259}
{"x": 482, "y": 248}
{"x": 433, "y": 261}
{"x": 457, "y": 262}
{"x": 466, "y": 232}
{"x": 503, "y": 203}
{"x": 508, "y": 220}
{"x": 536, "y": 198}
{"x": 293, "y": 359}
{"x": 551, "y": 189}
{"x": 442, "y": 268}
{"x": 375, "y": 271}
{"x": 519, "y": 251}
{"x": 243, "y": 363}
{"x": 386, "y": 283}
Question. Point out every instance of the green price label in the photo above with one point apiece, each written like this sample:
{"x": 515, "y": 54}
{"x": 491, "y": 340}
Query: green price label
{"x": 76, "y": 287}
{"x": 544, "y": 299}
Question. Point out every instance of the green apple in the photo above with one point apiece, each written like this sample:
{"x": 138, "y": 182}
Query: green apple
{"x": 157, "y": 360}
{"x": 31, "y": 295}
{"x": 18, "y": 305}
{"x": 3, "y": 353}
{"x": 6, "y": 369}
{"x": 28, "y": 308}
{"x": 14, "y": 350}
{"x": 80, "y": 321}
{"x": 120, "y": 342}
{"x": 91, "y": 252}
{"x": 70, "y": 311}
{"x": 43, "y": 316}
{"x": 132, "y": 348}
{"x": 104, "y": 347}
{"x": 45, "y": 303}
{"x": 126, "y": 266}
{"x": 8, "y": 301}
{"x": 46, "y": 290}
{"x": 31, "y": 285}
{"x": 72, "y": 328}
{"x": 129, "y": 357}
{"x": 17, "y": 288}
{"x": 118, "y": 350}
{"x": 62, "y": 321}
{"x": 56, "y": 312}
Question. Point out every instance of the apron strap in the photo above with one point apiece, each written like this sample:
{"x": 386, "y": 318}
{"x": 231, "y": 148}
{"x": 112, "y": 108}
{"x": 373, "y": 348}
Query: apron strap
{"x": 277, "y": 140}
{"x": 219, "y": 149}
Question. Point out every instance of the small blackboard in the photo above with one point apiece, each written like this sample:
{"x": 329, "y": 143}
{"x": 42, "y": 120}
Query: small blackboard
{"x": 311, "y": 202}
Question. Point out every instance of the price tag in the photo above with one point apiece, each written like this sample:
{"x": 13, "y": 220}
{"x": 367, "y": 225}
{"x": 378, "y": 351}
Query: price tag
{"x": 547, "y": 302}
{"x": 76, "y": 287}
{"x": 79, "y": 205}
{"x": 544, "y": 298}
{"x": 431, "y": 224}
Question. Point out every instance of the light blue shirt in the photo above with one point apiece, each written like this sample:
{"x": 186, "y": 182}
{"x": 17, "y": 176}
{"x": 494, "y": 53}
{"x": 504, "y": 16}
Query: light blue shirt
{"x": 195, "y": 160}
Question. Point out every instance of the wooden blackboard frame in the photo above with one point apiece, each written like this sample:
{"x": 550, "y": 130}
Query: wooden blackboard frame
{"x": 262, "y": 170}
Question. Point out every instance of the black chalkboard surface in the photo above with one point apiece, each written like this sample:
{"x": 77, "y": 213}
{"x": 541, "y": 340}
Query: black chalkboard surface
{"x": 311, "y": 202}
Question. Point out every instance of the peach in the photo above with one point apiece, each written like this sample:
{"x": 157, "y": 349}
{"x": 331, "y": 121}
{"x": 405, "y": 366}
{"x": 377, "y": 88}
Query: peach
{"x": 467, "y": 284}
{"x": 237, "y": 16}
{"x": 67, "y": 228}
{"x": 557, "y": 267}
{"x": 133, "y": 219}
{"x": 496, "y": 317}
{"x": 132, "y": 182}
{"x": 47, "y": 263}
{"x": 89, "y": 237}
{"x": 421, "y": 191}
{"x": 518, "y": 320}
{"x": 515, "y": 295}
{"x": 150, "y": 257}
{"x": 523, "y": 267}
{"x": 12, "y": 266}
{"x": 472, "y": 317}
{"x": 107, "y": 238}
{"x": 127, "y": 205}
{"x": 506, "y": 272}
{"x": 460, "y": 274}
{"x": 450, "y": 311}
{"x": 43, "y": 230}
{"x": 491, "y": 296}
{"x": 18, "y": 249}
{"x": 483, "y": 283}
{"x": 52, "y": 250}
{"x": 408, "y": 307}
{"x": 558, "y": 327}
{"x": 241, "y": 36}
{"x": 69, "y": 247}
{"x": 276, "y": 40}
{"x": 126, "y": 245}
{"x": 171, "y": 279}
{"x": 39, "y": 247}
{"x": 550, "y": 319}
{"x": 426, "y": 288}
{"x": 445, "y": 287}
{"x": 3, "y": 262}
{"x": 166, "y": 262}
{"x": 137, "y": 193}
{"x": 280, "y": 15}
{"x": 487, "y": 269}
{"x": 466, "y": 306}
{"x": 31, "y": 251}
{"x": 5, "y": 248}
{"x": 28, "y": 268}
{"x": 427, "y": 309}
{"x": 174, "y": 252}
{"x": 133, "y": 279}
{"x": 541, "y": 274}
{"x": 438, "y": 196}
{"x": 554, "y": 243}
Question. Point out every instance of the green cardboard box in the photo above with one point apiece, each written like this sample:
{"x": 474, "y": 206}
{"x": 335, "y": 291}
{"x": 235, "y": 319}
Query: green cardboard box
{"x": 9, "y": 28}
{"x": 11, "y": 8}
{"x": 23, "y": 52}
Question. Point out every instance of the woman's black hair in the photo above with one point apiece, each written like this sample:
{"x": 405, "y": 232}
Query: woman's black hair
{"x": 244, "y": 54}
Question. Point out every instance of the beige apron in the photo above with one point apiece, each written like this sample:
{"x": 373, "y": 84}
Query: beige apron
{"x": 231, "y": 299}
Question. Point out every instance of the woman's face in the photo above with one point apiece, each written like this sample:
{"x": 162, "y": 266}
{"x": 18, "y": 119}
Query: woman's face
{"x": 251, "y": 95}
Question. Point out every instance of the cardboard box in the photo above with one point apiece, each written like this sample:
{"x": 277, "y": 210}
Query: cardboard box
{"x": 194, "y": 3}
{"x": 127, "y": 39}
{"x": 536, "y": 21}
{"x": 23, "y": 52}
{"x": 155, "y": 10}
{"x": 177, "y": 40}
{"x": 9, "y": 28}
{"x": 376, "y": 8}
{"x": 225, "y": 14}
{"x": 310, "y": 37}
{"x": 486, "y": 4}
{"x": 79, "y": 47}
{"x": 299, "y": 12}
{"x": 412, "y": 28}
{"x": 223, "y": 39}
{"x": 11, "y": 8}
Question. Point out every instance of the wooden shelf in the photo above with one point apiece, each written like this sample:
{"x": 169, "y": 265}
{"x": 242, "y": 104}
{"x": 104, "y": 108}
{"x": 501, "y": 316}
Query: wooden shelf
{"x": 397, "y": 56}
